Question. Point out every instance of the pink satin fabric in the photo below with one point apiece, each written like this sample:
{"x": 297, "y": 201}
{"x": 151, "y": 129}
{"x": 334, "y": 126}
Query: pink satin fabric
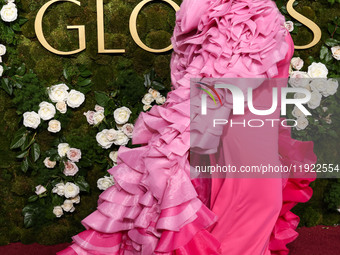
{"x": 154, "y": 206}
{"x": 248, "y": 208}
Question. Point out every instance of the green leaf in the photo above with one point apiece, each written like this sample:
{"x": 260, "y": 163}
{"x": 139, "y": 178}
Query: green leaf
{"x": 18, "y": 141}
{"x": 21, "y": 70}
{"x": 330, "y": 42}
{"x": 30, "y": 213}
{"x": 101, "y": 98}
{"x": 325, "y": 54}
{"x": 84, "y": 82}
{"x": 22, "y": 21}
{"x": 23, "y": 154}
{"x": 24, "y": 165}
{"x": 20, "y": 132}
{"x": 86, "y": 73}
{"x": 35, "y": 152}
{"x": 16, "y": 27}
{"x": 66, "y": 74}
{"x": 157, "y": 85}
{"x": 5, "y": 84}
{"x": 83, "y": 185}
{"x": 27, "y": 144}
{"x": 33, "y": 198}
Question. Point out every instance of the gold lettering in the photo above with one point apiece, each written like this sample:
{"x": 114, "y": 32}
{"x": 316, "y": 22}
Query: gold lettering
{"x": 100, "y": 30}
{"x": 133, "y": 26}
{"x": 308, "y": 23}
{"x": 40, "y": 34}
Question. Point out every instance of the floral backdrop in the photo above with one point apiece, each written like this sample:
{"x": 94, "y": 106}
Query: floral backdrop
{"x": 64, "y": 117}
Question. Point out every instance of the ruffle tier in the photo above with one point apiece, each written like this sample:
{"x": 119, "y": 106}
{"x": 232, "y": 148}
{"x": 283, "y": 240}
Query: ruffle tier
{"x": 154, "y": 207}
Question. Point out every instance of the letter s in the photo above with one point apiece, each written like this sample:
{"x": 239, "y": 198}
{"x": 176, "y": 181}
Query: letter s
{"x": 307, "y": 22}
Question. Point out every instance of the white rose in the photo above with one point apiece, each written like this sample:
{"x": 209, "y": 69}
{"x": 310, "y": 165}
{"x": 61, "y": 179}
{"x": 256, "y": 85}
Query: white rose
{"x": 76, "y": 199}
{"x": 122, "y": 115}
{"x": 297, "y": 63}
{"x": 63, "y": 149}
{"x": 121, "y": 138}
{"x": 297, "y": 112}
{"x": 98, "y": 117}
{"x": 58, "y": 211}
{"x": 71, "y": 190}
{"x": 317, "y": 70}
{"x": 10, "y": 1}
{"x": 128, "y": 129}
{"x": 2, "y": 51}
{"x": 147, "y": 107}
{"x": 315, "y": 100}
{"x": 328, "y": 119}
{"x": 31, "y": 119}
{"x": 113, "y": 156}
{"x": 75, "y": 98}
{"x": 104, "y": 183}
{"x": 46, "y": 110}
{"x": 70, "y": 168}
{"x": 298, "y": 79}
{"x": 111, "y": 134}
{"x": 54, "y": 126}
{"x": 74, "y": 154}
{"x": 61, "y": 106}
{"x": 332, "y": 87}
{"x": 103, "y": 140}
{"x": 289, "y": 25}
{"x": 49, "y": 163}
{"x": 154, "y": 93}
{"x": 68, "y": 206}
{"x": 1, "y": 70}
{"x": 40, "y": 189}
{"x": 160, "y": 100}
{"x": 59, "y": 189}
{"x": 98, "y": 108}
{"x": 9, "y": 12}
{"x": 58, "y": 93}
{"x": 336, "y": 52}
{"x": 148, "y": 99}
{"x": 89, "y": 117}
{"x": 319, "y": 84}
{"x": 302, "y": 123}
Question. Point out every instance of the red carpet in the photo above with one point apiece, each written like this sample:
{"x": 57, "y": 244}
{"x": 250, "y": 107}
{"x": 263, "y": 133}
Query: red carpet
{"x": 319, "y": 240}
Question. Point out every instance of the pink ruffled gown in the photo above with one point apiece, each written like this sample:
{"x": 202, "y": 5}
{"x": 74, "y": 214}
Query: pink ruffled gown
{"x": 155, "y": 207}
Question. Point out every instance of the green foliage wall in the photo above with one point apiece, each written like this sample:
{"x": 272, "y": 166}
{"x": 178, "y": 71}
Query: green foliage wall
{"x": 110, "y": 71}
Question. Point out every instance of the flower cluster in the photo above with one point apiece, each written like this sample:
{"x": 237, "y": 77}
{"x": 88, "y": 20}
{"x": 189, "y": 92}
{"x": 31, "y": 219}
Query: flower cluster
{"x": 121, "y": 136}
{"x": 9, "y": 11}
{"x": 59, "y": 95}
{"x": 150, "y": 97}
{"x": 2, "y": 52}
{"x": 95, "y": 117}
{"x": 68, "y": 156}
{"x": 315, "y": 80}
{"x": 71, "y": 193}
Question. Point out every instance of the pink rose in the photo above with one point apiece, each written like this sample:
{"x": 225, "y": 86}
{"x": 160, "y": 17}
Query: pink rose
{"x": 74, "y": 154}
{"x": 89, "y": 117}
{"x": 70, "y": 168}
{"x": 128, "y": 129}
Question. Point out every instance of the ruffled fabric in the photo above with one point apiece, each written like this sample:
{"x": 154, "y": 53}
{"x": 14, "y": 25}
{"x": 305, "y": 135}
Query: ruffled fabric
{"x": 154, "y": 207}
{"x": 296, "y": 189}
